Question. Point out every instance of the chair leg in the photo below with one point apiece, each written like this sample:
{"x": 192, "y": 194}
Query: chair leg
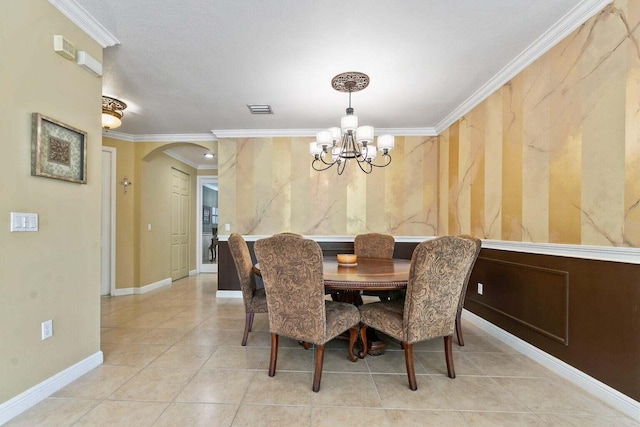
{"x": 248, "y": 323}
{"x": 317, "y": 375}
{"x": 448, "y": 354}
{"x": 274, "y": 354}
{"x": 459, "y": 329}
{"x": 363, "y": 338}
{"x": 353, "y": 334}
{"x": 408, "y": 360}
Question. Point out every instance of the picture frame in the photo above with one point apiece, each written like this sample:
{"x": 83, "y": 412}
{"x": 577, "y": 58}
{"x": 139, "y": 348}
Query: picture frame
{"x": 206, "y": 215}
{"x": 58, "y": 151}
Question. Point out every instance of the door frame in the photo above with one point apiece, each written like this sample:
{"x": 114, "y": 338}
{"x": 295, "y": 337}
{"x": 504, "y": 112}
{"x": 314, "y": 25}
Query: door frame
{"x": 203, "y": 179}
{"x": 112, "y": 215}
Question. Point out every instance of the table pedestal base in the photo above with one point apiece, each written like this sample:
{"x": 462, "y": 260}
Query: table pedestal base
{"x": 375, "y": 346}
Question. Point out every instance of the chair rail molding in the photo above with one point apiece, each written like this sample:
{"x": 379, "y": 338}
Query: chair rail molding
{"x": 601, "y": 253}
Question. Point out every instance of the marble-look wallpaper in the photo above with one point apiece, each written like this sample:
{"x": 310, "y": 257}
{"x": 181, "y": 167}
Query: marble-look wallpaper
{"x": 551, "y": 157}
{"x": 267, "y": 186}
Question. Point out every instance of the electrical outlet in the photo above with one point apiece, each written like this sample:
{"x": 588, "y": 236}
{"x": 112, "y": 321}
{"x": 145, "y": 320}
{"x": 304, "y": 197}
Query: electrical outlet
{"x": 480, "y": 288}
{"x": 47, "y": 329}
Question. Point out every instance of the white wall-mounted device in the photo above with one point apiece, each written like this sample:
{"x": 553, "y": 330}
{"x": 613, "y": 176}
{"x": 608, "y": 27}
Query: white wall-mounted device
{"x": 24, "y": 221}
{"x": 89, "y": 63}
{"x": 64, "y": 47}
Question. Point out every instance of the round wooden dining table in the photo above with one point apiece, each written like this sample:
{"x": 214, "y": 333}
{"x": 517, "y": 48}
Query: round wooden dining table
{"x": 368, "y": 274}
{"x": 345, "y": 283}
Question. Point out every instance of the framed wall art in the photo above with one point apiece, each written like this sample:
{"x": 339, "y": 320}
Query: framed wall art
{"x": 58, "y": 151}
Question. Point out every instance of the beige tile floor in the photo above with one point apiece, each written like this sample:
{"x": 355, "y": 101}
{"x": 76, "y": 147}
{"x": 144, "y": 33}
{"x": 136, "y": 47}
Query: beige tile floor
{"x": 172, "y": 357}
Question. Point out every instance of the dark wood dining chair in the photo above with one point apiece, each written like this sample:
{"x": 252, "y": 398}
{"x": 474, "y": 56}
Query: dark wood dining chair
{"x": 254, "y": 299}
{"x": 439, "y": 269}
{"x": 291, "y": 269}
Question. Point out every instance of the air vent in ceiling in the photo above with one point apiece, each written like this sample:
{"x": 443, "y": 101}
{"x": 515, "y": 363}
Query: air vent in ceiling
{"x": 260, "y": 109}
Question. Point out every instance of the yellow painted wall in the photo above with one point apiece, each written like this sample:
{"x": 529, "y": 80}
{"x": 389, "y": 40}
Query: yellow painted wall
{"x": 155, "y": 209}
{"x": 551, "y": 157}
{"x": 142, "y": 256}
{"x": 127, "y": 211}
{"x": 53, "y": 273}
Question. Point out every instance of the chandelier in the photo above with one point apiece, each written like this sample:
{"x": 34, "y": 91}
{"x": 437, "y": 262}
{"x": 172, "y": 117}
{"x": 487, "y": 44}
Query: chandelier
{"x": 112, "y": 112}
{"x": 337, "y": 145}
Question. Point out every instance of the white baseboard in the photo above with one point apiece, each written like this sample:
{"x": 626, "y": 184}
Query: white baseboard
{"x": 193, "y": 272}
{"x": 17, "y": 405}
{"x": 228, "y": 294}
{"x": 143, "y": 289}
{"x": 620, "y": 401}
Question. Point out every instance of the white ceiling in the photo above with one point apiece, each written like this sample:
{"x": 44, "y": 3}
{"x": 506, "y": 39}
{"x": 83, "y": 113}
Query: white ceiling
{"x": 191, "y": 67}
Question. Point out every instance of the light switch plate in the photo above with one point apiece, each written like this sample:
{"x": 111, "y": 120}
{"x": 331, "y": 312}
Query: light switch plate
{"x": 24, "y": 221}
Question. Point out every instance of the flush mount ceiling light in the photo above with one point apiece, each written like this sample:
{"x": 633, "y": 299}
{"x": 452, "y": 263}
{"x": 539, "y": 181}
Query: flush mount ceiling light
{"x": 112, "y": 112}
{"x": 335, "y": 146}
{"x": 209, "y": 155}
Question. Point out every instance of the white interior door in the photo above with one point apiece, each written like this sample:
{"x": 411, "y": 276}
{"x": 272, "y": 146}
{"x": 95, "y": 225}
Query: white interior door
{"x": 107, "y": 242}
{"x": 179, "y": 224}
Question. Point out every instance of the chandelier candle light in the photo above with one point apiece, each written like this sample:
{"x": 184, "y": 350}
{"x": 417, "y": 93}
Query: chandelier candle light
{"x": 335, "y": 146}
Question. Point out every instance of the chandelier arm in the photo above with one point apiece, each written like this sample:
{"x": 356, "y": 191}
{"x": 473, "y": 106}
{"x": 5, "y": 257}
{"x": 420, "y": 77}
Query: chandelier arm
{"x": 321, "y": 158}
{"x": 328, "y": 165}
{"x": 366, "y": 170}
{"x": 386, "y": 156}
{"x": 341, "y": 166}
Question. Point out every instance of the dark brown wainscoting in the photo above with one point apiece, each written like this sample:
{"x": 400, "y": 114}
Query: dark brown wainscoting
{"x": 228, "y": 278}
{"x": 583, "y": 312}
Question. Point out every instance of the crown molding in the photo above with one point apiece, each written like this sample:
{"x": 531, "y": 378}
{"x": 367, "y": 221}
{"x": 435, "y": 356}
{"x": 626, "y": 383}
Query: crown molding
{"x": 87, "y": 23}
{"x": 161, "y": 137}
{"x": 252, "y": 133}
{"x": 274, "y": 133}
{"x": 174, "y": 137}
{"x": 180, "y": 159}
{"x": 189, "y": 162}
{"x": 567, "y": 24}
{"x": 263, "y": 133}
{"x": 118, "y": 135}
{"x": 428, "y": 131}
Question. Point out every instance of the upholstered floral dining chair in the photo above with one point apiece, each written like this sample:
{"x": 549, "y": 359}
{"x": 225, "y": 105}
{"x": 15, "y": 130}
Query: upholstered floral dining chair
{"x": 291, "y": 269}
{"x": 438, "y": 273}
{"x": 374, "y": 245}
{"x": 255, "y": 300}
